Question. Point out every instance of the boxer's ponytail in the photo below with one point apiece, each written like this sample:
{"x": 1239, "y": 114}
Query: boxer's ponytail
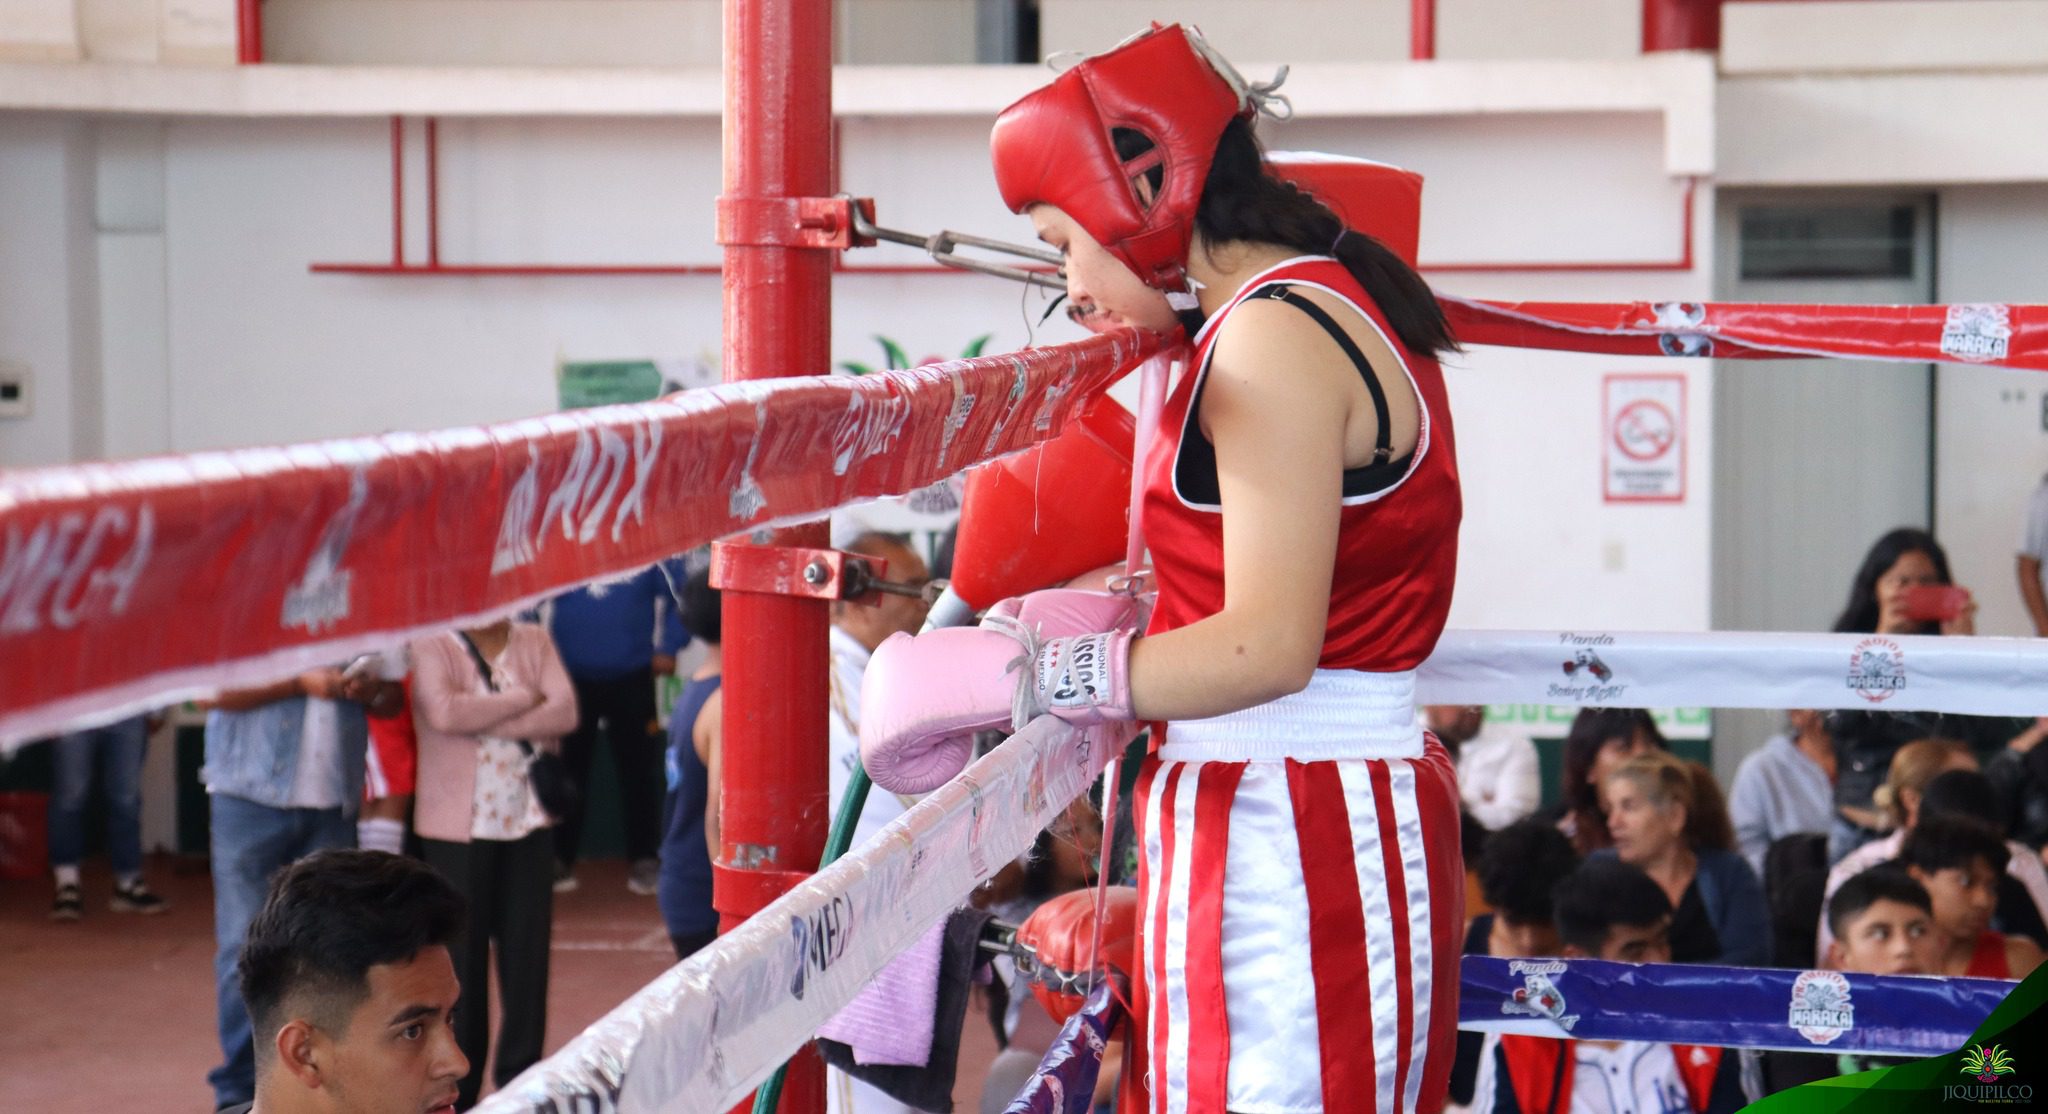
{"x": 1243, "y": 201}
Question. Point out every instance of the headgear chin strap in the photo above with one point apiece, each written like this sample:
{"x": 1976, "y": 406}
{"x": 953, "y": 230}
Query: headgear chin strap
{"x": 1057, "y": 146}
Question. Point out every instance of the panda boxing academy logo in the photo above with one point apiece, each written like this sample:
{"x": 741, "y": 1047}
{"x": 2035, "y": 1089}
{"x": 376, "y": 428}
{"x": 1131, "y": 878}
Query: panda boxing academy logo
{"x": 1877, "y": 669}
{"x": 1591, "y": 663}
{"x": 1539, "y": 996}
{"x": 1681, "y": 329}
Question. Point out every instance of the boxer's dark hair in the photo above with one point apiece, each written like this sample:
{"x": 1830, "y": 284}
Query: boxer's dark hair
{"x": 1243, "y": 201}
{"x": 1860, "y": 615}
{"x": 328, "y": 919}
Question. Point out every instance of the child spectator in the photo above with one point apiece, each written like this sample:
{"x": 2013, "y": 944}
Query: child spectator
{"x": 1959, "y": 861}
{"x": 1608, "y": 910}
{"x": 1518, "y": 872}
{"x": 1959, "y": 790}
{"x": 1883, "y": 924}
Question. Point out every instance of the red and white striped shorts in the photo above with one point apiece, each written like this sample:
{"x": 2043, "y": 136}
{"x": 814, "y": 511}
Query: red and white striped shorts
{"x": 1301, "y": 913}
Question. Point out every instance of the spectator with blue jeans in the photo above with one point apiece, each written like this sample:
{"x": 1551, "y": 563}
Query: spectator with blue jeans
{"x": 615, "y": 638}
{"x": 284, "y": 774}
{"x": 116, "y": 749}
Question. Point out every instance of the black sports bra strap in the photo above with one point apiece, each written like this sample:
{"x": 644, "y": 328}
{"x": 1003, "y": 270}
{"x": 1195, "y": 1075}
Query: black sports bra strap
{"x": 1383, "y": 445}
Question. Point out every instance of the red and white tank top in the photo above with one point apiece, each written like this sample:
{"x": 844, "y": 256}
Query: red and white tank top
{"x": 1397, "y": 540}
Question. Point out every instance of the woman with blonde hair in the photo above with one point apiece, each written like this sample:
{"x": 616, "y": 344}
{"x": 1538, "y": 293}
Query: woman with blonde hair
{"x": 1663, "y": 823}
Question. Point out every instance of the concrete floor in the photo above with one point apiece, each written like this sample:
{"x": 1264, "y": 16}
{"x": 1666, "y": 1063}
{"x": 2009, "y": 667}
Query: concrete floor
{"x": 115, "y": 1012}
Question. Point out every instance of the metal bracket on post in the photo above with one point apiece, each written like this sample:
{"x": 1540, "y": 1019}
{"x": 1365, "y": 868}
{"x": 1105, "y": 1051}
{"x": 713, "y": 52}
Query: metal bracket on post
{"x": 822, "y": 223}
{"x": 943, "y": 246}
{"x": 819, "y": 574}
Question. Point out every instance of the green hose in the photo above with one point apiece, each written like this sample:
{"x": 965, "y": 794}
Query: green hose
{"x": 843, "y": 821}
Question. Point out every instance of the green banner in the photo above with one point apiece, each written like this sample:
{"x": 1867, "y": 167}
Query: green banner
{"x": 607, "y": 383}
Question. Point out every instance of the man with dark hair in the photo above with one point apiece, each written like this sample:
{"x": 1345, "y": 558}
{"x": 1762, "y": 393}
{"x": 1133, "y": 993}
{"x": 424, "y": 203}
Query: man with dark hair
{"x": 351, "y": 990}
{"x": 1959, "y": 860}
{"x": 1607, "y": 909}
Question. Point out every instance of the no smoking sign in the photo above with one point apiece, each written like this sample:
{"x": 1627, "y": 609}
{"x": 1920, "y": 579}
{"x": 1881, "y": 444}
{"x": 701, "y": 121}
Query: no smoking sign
{"x": 1643, "y": 427}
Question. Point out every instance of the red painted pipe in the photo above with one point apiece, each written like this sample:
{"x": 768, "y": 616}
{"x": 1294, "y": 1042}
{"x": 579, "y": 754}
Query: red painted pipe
{"x": 773, "y": 810}
{"x": 433, "y": 192}
{"x": 1681, "y": 25}
{"x": 1421, "y": 30}
{"x": 248, "y": 32}
{"x": 398, "y": 192}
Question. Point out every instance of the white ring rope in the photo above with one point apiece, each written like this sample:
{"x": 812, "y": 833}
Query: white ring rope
{"x": 703, "y": 1035}
{"x": 1738, "y": 669}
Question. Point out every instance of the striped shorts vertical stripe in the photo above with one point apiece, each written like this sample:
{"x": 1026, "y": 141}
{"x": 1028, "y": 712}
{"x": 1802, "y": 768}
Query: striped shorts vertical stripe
{"x": 1301, "y": 922}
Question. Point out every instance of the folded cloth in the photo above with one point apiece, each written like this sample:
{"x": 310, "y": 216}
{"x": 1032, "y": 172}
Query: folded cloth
{"x": 927, "y": 1085}
{"x": 890, "y": 1021}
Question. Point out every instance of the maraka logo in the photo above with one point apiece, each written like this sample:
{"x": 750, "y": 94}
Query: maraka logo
{"x": 1877, "y": 669}
{"x": 1821, "y": 1007}
{"x": 1978, "y": 333}
{"x": 1987, "y": 1064}
{"x": 1591, "y": 663}
{"x": 1538, "y": 996}
{"x": 818, "y": 940}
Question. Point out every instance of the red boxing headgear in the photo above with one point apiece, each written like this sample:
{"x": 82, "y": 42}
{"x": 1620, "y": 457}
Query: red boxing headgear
{"x": 1057, "y": 146}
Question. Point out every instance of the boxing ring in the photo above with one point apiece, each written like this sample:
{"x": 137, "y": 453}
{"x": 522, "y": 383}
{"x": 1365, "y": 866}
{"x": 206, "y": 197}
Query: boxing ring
{"x": 305, "y": 554}
{"x": 239, "y": 567}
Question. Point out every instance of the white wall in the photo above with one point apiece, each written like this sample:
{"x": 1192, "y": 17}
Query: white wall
{"x": 237, "y": 343}
{"x": 262, "y": 350}
{"x": 1358, "y": 30}
{"x": 664, "y": 33}
{"x": 48, "y": 324}
{"x": 1991, "y": 428}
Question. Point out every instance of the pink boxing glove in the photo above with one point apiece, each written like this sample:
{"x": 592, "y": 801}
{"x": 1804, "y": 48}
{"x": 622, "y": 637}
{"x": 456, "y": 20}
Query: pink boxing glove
{"x": 923, "y": 697}
{"x": 1060, "y": 612}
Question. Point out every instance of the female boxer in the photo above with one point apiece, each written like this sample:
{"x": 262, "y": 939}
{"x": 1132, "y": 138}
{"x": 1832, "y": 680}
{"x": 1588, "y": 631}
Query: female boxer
{"x": 1302, "y": 889}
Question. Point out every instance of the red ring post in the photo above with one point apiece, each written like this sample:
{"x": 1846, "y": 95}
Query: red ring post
{"x": 778, "y": 315}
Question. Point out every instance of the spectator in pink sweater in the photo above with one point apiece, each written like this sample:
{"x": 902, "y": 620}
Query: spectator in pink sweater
{"x": 485, "y": 701}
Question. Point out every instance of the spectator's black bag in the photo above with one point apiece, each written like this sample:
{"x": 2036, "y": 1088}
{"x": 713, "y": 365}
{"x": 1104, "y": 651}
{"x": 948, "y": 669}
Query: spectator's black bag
{"x": 544, "y": 769}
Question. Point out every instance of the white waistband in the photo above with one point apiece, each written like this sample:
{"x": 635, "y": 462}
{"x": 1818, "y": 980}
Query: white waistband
{"x": 1343, "y": 713}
